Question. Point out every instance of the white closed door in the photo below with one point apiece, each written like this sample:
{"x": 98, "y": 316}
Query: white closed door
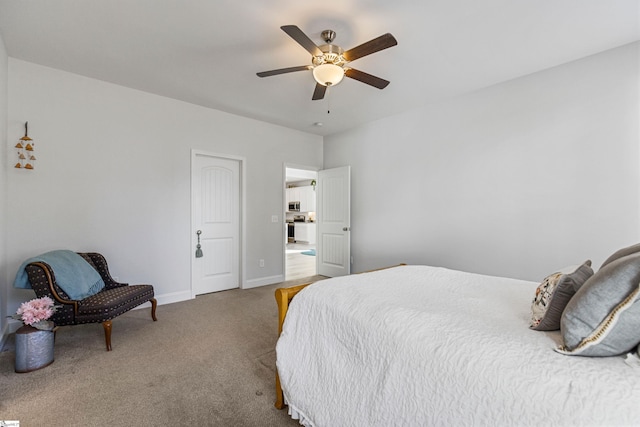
{"x": 334, "y": 222}
{"x": 215, "y": 185}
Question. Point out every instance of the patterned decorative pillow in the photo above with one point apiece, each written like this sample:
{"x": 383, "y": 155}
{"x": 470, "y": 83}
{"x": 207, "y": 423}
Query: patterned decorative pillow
{"x": 603, "y": 317}
{"x": 553, "y": 295}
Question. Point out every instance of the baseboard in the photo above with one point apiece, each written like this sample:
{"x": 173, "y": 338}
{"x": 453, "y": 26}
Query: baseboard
{"x": 263, "y": 281}
{"x": 171, "y": 298}
{"x": 13, "y": 325}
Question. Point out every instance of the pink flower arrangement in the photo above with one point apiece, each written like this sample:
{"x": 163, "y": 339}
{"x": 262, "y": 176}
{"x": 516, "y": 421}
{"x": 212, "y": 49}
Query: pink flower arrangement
{"x": 36, "y": 313}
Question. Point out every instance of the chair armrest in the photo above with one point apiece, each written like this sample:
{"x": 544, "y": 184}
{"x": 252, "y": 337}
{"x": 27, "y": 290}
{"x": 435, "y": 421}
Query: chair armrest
{"x": 44, "y": 284}
{"x": 100, "y": 264}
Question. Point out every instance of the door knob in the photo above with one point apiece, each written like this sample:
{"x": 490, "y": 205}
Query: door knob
{"x": 346, "y": 228}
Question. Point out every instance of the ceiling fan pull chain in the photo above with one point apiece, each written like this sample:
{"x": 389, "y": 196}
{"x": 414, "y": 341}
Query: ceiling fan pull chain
{"x": 328, "y": 99}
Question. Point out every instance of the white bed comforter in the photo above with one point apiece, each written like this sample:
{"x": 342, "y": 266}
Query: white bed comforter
{"x": 426, "y": 346}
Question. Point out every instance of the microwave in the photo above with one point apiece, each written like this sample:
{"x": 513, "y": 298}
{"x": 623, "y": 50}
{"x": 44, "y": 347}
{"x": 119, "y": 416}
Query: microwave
{"x": 294, "y": 206}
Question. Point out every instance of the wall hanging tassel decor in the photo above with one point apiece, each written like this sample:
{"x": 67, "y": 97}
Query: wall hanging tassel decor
{"x": 198, "y": 247}
{"x": 25, "y": 148}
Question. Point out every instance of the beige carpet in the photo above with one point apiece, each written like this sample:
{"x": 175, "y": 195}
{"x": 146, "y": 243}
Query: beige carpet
{"x": 206, "y": 362}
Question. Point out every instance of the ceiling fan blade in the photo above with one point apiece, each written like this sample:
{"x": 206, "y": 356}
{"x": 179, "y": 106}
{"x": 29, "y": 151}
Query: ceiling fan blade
{"x": 283, "y": 71}
{"x": 366, "y": 78}
{"x": 372, "y": 46}
{"x": 319, "y": 92}
{"x": 302, "y": 39}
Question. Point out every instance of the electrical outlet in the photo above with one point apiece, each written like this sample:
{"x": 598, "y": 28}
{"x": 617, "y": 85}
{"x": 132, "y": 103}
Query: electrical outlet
{"x": 261, "y": 263}
{"x": 274, "y": 218}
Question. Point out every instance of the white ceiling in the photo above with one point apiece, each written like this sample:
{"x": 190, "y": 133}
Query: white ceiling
{"x": 207, "y": 52}
{"x": 293, "y": 174}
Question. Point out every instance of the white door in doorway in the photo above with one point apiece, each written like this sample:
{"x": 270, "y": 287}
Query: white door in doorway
{"x": 215, "y": 190}
{"x": 334, "y": 222}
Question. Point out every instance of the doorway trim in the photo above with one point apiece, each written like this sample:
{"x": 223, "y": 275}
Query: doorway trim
{"x": 242, "y": 213}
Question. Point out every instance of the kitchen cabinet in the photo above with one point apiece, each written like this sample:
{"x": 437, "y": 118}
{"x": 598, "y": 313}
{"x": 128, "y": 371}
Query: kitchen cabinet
{"x": 305, "y": 232}
{"x": 307, "y": 199}
{"x": 293, "y": 194}
{"x": 306, "y": 195}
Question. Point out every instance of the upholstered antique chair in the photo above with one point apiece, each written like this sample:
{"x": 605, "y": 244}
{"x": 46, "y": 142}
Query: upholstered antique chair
{"x": 111, "y": 301}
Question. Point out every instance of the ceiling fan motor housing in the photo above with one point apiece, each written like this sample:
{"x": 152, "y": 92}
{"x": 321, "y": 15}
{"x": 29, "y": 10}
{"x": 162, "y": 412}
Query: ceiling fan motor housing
{"x": 331, "y": 54}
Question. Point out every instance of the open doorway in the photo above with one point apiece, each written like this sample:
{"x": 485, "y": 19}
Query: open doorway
{"x": 300, "y": 217}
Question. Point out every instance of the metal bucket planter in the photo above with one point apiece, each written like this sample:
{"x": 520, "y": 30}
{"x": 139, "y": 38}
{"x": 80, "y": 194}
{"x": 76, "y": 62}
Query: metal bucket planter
{"x": 34, "y": 349}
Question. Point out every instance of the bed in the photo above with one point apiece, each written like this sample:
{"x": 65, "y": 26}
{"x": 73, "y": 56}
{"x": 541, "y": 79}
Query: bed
{"x": 426, "y": 346}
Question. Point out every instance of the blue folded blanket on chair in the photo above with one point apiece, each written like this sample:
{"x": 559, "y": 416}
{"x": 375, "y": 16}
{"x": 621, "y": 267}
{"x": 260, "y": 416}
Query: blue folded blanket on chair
{"x": 73, "y": 274}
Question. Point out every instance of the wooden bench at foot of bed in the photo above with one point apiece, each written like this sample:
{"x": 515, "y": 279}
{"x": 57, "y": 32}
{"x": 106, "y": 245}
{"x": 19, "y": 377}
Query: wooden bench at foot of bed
{"x": 283, "y": 298}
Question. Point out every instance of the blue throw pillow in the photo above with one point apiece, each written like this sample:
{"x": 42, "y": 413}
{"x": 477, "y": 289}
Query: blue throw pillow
{"x": 603, "y": 317}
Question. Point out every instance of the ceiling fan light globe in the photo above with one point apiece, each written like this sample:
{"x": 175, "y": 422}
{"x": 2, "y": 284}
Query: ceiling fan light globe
{"x": 328, "y": 74}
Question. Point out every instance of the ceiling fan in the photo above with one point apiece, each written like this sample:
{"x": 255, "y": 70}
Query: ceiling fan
{"x": 329, "y": 62}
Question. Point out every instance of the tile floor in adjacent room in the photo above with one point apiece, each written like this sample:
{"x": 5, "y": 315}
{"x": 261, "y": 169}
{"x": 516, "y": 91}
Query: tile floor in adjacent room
{"x": 297, "y": 264}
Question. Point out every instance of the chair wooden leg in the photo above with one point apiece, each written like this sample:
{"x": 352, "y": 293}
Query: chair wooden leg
{"x": 154, "y": 304}
{"x": 107, "y": 333}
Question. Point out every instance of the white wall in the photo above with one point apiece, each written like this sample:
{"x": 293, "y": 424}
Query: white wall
{"x": 517, "y": 179}
{"x": 4, "y": 165}
{"x": 113, "y": 176}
